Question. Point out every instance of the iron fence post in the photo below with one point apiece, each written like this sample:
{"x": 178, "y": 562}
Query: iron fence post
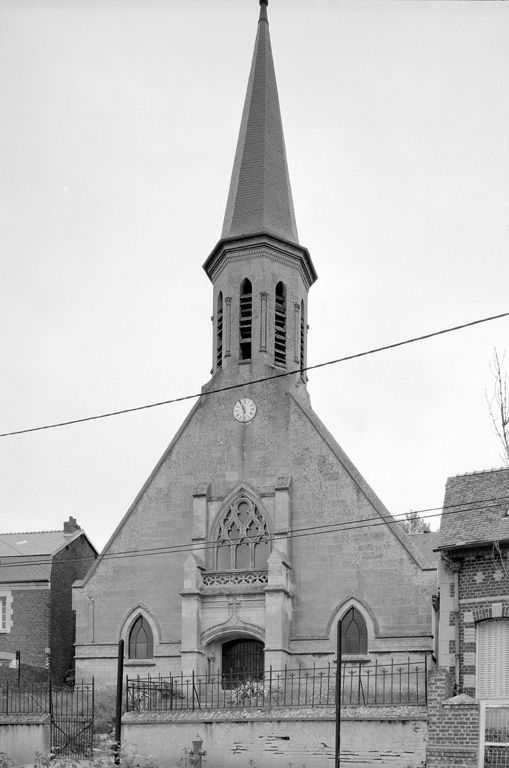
{"x": 118, "y": 702}
{"x": 425, "y": 678}
{"x": 338, "y": 695}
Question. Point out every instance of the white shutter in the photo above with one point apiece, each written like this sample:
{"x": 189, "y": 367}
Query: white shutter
{"x": 493, "y": 659}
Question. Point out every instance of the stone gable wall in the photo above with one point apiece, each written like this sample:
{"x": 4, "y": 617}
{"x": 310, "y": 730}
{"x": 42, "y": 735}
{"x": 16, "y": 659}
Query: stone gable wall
{"x": 370, "y": 564}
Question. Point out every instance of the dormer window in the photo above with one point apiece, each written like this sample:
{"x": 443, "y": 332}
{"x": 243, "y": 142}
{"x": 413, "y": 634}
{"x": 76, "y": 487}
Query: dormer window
{"x": 280, "y": 325}
{"x": 245, "y": 319}
{"x": 219, "y": 331}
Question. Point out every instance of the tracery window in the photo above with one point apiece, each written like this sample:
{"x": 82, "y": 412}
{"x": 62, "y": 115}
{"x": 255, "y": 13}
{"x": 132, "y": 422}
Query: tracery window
{"x": 141, "y": 642}
{"x": 354, "y": 633}
{"x": 219, "y": 331}
{"x": 242, "y": 538}
{"x": 280, "y": 325}
{"x": 245, "y": 319}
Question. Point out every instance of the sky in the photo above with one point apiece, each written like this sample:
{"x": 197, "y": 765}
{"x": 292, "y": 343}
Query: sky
{"x": 118, "y": 128}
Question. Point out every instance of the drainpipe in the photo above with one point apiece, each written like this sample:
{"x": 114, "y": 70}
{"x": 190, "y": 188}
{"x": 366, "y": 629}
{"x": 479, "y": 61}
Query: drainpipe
{"x": 455, "y": 567}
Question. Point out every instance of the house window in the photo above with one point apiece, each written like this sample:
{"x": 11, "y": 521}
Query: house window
{"x": 141, "y": 643}
{"x": 242, "y": 538}
{"x": 5, "y": 611}
{"x": 245, "y": 319}
{"x": 280, "y": 325}
{"x": 354, "y": 633}
{"x": 3, "y": 614}
{"x": 219, "y": 331}
{"x": 493, "y": 659}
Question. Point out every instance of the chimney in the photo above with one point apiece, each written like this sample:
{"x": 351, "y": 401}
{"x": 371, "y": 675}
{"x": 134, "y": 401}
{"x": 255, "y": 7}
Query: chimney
{"x": 71, "y": 526}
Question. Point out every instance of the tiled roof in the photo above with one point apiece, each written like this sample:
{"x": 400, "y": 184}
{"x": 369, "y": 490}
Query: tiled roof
{"x": 260, "y": 197}
{"x": 426, "y": 543}
{"x": 475, "y": 508}
{"x": 31, "y": 543}
{"x": 27, "y": 556}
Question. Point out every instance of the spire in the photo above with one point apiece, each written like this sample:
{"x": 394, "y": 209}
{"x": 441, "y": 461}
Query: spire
{"x": 260, "y": 197}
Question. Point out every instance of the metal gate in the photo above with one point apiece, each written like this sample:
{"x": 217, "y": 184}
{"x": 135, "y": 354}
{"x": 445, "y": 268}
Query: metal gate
{"x": 242, "y": 660}
{"x": 494, "y": 746}
{"x": 72, "y": 721}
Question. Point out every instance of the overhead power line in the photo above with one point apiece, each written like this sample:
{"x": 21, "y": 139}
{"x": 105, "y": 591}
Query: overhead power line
{"x": 365, "y": 353}
{"x": 313, "y": 530}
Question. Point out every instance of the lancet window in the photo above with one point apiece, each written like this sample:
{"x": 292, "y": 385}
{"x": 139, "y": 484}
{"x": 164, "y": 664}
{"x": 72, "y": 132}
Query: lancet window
{"x": 141, "y": 642}
{"x": 280, "y": 325}
{"x": 219, "y": 331}
{"x": 354, "y": 633}
{"x": 242, "y": 538}
{"x": 245, "y": 319}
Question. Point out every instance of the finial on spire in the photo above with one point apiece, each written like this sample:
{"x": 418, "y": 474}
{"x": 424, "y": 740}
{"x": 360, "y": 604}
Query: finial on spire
{"x": 263, "y": 10}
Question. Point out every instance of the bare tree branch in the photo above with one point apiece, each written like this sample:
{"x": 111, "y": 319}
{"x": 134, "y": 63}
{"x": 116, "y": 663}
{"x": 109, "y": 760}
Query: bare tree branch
{"x": 498, "y": 404}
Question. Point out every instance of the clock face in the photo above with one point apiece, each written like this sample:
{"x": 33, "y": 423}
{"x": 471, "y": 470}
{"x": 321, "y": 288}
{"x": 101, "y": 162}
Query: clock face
{"x": 244, "y": 410}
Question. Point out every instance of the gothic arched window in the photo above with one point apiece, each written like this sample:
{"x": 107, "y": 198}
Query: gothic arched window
{"x": 141, "y": 643}
{"x": 280, "y": 325}
{"x": 354, "y": 633}
{"x": 219, "y": 331}
{"x": 242, "y": 538}
{"x": 245, "y": 319}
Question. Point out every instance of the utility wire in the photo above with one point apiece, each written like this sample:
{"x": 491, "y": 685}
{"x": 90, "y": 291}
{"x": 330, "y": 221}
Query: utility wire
{"x": 326, "y": 528}
{"x": 215, "y": 391}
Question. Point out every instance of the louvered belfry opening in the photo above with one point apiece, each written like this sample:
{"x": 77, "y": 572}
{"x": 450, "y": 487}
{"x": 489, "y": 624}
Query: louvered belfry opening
{"x": 280, "y": 325}
{"x": 246, "y": 319}
{"x": 302, "y": 337}
{"x": 219, "y": 331}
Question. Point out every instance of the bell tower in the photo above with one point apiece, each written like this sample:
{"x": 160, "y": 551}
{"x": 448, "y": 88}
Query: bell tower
{"x": 260, "y": 273}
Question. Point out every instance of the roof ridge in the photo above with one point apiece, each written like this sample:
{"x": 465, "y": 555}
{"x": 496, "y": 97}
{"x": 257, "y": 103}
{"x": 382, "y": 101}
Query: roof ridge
{"x": 24, "y": 533}
{"x": 480, "y": 472}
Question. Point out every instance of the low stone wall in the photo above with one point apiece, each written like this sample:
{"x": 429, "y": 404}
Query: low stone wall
{"x": 392, "y": 737}
{"x": 21, "y": 736}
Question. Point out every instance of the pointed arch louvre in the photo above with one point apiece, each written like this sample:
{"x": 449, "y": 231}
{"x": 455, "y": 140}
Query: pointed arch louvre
{"x": 242, "y": 536}
{"x": 493, "y": 659}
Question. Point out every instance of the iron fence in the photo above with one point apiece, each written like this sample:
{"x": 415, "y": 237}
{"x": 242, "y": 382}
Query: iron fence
{"x": 71, "y": 713}
{"x": 361, "y": 684}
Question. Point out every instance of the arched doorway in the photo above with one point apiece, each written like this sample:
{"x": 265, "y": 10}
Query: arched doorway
{"x": 242, "y": 659}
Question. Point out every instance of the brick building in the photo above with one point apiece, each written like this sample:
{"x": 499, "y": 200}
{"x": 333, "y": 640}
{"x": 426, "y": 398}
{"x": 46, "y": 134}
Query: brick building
{"x": 249, "y": 532}
{"x": 37, "y": 570}
{"x": 470, "y": 693}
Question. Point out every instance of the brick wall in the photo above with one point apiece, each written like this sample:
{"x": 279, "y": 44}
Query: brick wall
{"x": 70, "y": 564}
{"x": 483, "y": 590}
{"x": 29, "y": 630}
{"x": 453, "y": 725}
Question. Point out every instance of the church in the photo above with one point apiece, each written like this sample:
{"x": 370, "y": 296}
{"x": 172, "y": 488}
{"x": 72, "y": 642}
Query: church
{"x": 255, "y": 534}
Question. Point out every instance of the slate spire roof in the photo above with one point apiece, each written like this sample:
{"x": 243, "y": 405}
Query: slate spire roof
{"x": 260, "y": 197}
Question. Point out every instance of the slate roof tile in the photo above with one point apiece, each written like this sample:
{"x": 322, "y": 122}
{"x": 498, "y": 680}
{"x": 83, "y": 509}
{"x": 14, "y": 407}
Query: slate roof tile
{"x": 476, "y": 507}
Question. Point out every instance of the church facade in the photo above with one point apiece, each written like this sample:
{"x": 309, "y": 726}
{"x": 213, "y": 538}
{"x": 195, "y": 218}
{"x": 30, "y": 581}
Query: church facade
{"x": 255, "y": 533}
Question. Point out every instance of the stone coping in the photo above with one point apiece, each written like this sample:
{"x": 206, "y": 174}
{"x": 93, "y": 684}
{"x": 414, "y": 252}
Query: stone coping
{"x": 277, "y": 714}
{"x": 34, "y": 718}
